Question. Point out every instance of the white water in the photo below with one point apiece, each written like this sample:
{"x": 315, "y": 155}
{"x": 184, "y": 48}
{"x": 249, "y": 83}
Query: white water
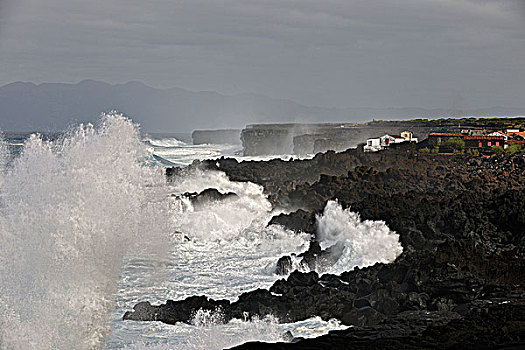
{"x": 71, "y": 209}
{"x": 179, "y": 153}
{"x": 88, "y": 229}
{"x": 366, "y": 242}
{"x": 165, "y": 143}
{"x": 231, "y": 251}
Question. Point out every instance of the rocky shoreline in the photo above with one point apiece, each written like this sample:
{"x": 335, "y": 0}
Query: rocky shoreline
{"x": 459, "y": 282}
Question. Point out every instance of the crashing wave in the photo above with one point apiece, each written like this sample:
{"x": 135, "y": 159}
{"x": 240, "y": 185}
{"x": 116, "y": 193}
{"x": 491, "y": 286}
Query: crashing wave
{"x": 71, "y": 209}
{"x": 364, "y": 242}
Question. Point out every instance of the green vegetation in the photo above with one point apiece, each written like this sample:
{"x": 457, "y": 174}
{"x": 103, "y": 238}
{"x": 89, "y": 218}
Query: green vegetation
{"x": 497, "y": 150}
{"x": 456, "y": 143}
{"x": 466, "y": 123}
{"x": 473, "y": 152}
{"x": 492, "y": 123}
{"x": 513, "y": 148}
{"x": 424, "y": 150}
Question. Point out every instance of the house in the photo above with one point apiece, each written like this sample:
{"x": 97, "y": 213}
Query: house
{"x": 373, "y": 145}
{"x": 377, "y": 144}
{"x": 439, "y": 138}
{"x": 516, "y": 134}
{"x": 479, "y": 142}
{"x": 500, "y": 134}
{"x": 485, "y": 142}
{"x": 512, "y": 136}
{"x": 409, "y": 136}
{"x": 389, "y": 139}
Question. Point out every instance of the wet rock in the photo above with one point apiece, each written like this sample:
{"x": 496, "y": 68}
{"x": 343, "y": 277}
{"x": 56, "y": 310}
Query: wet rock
{"x": 208, "y": 196}
{"x": 284, "y": 265}
{"x": 317, "y": 259}
{"x": 177, "y": 311}
{"x": 497, "y": 324}
{"x": 298, "y": 221}
{"x": 460, "y": 221}
{"x": 142, "y": 311}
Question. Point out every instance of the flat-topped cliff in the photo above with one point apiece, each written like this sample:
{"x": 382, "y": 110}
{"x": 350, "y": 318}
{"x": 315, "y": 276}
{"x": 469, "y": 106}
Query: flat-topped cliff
{"x": 267, "y": 139}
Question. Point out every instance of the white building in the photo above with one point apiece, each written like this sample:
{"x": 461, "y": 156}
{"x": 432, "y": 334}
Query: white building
{"x": 500, "y": 134}
{"x": 377, "y": 144}
{"x": 409, "y": 136}
{"x": 372, "y": 145}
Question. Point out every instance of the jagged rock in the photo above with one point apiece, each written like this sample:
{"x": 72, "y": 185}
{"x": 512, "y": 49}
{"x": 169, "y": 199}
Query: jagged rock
{"x": 496, "y": 324}
{"x": 460, "y": 221}
{"x": 319, "y": 259}
{"x": 177, "y": 311}
{"x": 297, "y": 221}
{"x": 207, "y": 196}
{"x": 284, "y": 265}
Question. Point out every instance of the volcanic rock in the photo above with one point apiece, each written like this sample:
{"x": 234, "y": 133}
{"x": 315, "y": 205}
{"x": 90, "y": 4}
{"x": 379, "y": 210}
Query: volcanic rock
{"x": 459, "y": 282}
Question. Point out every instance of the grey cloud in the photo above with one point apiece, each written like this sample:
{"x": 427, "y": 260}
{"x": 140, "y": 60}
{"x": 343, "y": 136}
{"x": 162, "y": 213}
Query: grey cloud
{"x": 333, "y": 52}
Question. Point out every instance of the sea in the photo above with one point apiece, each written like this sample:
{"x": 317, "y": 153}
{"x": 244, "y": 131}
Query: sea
{"x": 89, "y": 227}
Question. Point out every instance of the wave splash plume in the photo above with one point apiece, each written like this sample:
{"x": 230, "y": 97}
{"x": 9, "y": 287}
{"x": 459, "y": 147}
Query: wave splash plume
{"x": 366, "y": 242}
{"x": 70, "y": 209}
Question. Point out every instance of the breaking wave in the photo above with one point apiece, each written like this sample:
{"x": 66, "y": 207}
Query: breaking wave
{"x": 165, "y": 143}
{"x": 365, "y": 242}
{"x": 243, "y": 218}
{"x": 70, "y": 209}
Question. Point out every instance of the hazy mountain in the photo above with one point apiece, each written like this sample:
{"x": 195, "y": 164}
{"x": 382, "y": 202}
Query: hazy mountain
{"x": 53, "y": 106}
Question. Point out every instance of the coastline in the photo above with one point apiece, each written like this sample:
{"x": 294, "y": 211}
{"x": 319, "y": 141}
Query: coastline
{"x": 460, "y": 219}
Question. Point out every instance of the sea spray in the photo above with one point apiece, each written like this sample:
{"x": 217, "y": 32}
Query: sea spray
{"x": 71, "y": 208}
{"x": 210, "y": 333}
{"x": 230, "y": 251}
{"x": 165, "y": 143}
{"x": 207, "y": 331}
{"x": 4, "y": 160}
{"x": 242, "y": 219}
{"x": 366, "y": 242}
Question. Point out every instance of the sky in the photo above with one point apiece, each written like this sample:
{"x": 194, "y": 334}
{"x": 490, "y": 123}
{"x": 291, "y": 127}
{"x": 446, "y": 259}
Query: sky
{"x": 340, "y": 53}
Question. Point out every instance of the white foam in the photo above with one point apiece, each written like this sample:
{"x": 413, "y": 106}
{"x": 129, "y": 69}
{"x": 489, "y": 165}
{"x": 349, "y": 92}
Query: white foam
{"x": 366, "y": 242}
{"x": 207, "y": 332}
{"x": 244, "y": 218}
{"x": 166, "y": 143}
{"x": 231, "y": 251}
{"x": 82, "y": 239}
{"x": 71, "y": 209}
{"x": 4, "y": 158}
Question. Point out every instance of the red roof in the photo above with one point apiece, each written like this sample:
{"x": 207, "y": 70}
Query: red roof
{"x": 450, "y": 134}
{"x": 496, "y": 138}
{"x": 520, "y": 133}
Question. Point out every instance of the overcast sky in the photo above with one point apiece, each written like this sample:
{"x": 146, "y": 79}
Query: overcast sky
{"x": 375, "y": 53}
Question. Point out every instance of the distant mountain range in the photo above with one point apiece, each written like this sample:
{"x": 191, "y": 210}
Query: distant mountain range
{"x": 54, "y": 106}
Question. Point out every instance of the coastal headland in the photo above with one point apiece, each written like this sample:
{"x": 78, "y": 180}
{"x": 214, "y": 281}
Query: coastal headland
{"x": 300, "y": 139}
{"x": 459, "y": 282}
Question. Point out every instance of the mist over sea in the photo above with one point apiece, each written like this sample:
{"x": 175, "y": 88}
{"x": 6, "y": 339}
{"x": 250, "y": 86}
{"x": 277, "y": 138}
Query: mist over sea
{"x": 89, "y": 227}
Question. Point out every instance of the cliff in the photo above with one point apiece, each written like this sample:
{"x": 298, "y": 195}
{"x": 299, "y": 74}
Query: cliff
{"x": 300, "y": 139}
